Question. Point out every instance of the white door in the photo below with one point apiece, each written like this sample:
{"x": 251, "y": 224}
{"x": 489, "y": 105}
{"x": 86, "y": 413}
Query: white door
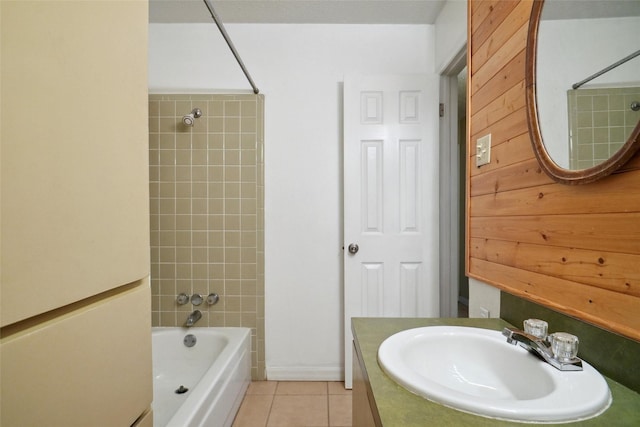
{"x": 390, "y": 199}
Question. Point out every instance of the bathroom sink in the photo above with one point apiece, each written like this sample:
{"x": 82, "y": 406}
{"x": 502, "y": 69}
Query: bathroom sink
{"x": 475, "y": 370}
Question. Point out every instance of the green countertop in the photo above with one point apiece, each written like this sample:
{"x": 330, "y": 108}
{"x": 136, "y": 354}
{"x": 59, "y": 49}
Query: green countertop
{"x": 397, "y": 407}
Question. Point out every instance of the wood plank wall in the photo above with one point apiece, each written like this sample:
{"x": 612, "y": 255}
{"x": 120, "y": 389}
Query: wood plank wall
{"x": 573, "y": 248}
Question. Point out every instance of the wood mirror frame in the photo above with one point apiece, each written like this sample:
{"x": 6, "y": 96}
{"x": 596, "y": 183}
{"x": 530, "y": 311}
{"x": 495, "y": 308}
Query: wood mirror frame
{"x": 557, "y": 173}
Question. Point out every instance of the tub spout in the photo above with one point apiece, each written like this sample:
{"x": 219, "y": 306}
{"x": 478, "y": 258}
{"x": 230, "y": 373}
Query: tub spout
{"x": 193, "y": 318}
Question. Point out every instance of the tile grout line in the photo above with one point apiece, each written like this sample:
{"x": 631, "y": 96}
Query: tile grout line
{"x": 328, "y": 407}
{"x": 273, "y": 398}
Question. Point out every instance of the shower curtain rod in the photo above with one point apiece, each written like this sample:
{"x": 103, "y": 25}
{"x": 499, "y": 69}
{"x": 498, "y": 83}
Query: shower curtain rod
{"x": 606, "y": 70}
{"x": 218, "y": 22}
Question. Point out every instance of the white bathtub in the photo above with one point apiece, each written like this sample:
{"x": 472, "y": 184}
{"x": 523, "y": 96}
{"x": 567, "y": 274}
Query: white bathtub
{"x": 216, "y": 371}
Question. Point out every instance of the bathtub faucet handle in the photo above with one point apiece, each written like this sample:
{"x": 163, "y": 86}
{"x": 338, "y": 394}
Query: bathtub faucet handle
{"x": 212, "y": 298}
{"x": 182, "y": 299}
{"x": 196, "y": 299}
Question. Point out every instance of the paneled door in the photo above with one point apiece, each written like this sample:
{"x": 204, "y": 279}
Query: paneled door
{"x": 390, "y": 200}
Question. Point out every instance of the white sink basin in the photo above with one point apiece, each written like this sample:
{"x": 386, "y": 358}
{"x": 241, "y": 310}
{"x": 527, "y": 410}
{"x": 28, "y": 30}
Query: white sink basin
{"x": 477, "y": 371}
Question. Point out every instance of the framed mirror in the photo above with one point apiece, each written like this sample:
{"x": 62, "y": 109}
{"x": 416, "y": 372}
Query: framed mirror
{"x": 583, "y": 86}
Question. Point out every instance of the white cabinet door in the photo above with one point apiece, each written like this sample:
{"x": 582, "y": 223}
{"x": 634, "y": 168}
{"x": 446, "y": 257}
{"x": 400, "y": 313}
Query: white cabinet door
{"x": 75, "y": 150}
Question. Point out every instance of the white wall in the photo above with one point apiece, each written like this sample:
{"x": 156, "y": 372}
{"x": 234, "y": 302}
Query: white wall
{"x": 451, "y": 40}
{"x": 451, "y": 32}
{"x": 483, "y": 296}
{"x": 299, "y": 69}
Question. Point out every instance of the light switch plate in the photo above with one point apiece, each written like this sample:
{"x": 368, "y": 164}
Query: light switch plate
{"x": 483, "y": 150}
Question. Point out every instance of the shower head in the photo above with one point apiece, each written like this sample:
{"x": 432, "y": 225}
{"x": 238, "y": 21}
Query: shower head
{"x": 189, "y": 119}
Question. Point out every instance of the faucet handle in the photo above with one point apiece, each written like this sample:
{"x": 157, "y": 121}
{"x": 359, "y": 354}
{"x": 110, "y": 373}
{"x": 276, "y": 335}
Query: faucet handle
{"x": 536, "y": 327}
{"x": 212, "y": 298}
{"x": 196, "y": 299}
{"x": 564, "y": 346}
{"x": 182, "y": 299}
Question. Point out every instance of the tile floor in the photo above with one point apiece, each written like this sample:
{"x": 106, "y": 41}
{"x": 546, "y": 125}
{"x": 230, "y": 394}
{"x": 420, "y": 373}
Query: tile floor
{"x": 295, "y": 404}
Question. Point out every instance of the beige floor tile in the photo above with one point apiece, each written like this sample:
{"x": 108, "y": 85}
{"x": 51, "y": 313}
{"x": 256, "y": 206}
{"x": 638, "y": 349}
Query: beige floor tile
{"x": 254, "y": 411}
{"x": 339, "y": 410}
{"x": 302, "y": 387}
{"x": 299, "y": 411}
{"x": 337, "y": 387}
{"x": 262, "y": 387}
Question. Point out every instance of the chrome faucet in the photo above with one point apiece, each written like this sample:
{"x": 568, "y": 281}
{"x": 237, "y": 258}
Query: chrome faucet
{"x": 559, "y": 350}
{"x": 193, "y": 318}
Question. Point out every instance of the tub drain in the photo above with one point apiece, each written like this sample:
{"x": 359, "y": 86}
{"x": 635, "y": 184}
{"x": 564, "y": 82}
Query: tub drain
{"x": 181, "y": 390}
{"x": 190, "y": 340}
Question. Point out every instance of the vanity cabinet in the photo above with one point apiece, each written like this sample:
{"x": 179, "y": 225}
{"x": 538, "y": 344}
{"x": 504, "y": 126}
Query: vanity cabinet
{"x": 362, "y": 411}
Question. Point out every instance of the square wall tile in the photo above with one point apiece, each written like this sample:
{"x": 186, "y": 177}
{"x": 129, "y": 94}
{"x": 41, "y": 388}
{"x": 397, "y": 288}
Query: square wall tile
{"x": 203, "y": 187}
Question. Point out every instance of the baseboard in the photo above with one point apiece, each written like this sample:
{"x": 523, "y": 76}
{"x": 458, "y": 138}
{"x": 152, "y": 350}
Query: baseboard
{"x": 306, "y": 373}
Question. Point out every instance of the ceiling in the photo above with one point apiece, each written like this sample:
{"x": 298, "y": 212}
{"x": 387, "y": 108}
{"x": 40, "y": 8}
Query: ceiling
{"x": 298, "y": 11}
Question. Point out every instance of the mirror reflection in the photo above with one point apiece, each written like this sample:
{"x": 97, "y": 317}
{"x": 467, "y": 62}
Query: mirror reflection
{"x": 587, "y": 79}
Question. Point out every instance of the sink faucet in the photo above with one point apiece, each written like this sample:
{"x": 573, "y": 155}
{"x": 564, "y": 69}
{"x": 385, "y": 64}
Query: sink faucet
{"x": 193, "y": 318}
{"x": 544, "y": 347}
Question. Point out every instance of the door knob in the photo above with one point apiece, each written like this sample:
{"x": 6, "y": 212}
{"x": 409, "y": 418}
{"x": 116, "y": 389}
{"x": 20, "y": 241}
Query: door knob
{"x": 353, "y": 248}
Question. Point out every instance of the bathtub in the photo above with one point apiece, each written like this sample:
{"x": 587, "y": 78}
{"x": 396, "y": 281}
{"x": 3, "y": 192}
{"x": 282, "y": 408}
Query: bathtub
{"x": 216, "y": 371}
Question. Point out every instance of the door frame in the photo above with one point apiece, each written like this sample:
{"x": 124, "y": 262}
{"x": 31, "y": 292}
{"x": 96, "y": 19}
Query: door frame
{"x": 450, "y": 209}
